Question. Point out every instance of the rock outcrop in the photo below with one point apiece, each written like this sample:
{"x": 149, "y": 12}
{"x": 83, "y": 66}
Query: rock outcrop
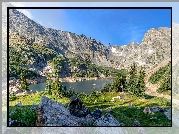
{"x": 51, "y": 113}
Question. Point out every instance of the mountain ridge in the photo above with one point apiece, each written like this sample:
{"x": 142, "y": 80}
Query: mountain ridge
{"x": 155, "y": 46}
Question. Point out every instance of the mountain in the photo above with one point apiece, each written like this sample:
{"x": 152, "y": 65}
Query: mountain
{"x": 155, "y": 47}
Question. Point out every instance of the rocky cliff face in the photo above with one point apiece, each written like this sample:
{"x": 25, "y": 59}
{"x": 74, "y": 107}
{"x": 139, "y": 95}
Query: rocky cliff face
{"x": 155, "y": 46}
{"x": 66, "y": 43}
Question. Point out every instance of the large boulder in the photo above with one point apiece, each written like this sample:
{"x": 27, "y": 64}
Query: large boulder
{"x": 76, "y": 107}
{"x": 55, "y": 114}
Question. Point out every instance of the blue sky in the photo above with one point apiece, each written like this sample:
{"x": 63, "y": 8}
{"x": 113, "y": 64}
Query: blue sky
{"x": 115, "y": 26}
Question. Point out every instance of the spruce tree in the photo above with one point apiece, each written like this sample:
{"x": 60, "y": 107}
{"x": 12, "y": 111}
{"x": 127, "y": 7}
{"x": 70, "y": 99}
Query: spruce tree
{"x": 24, "y": 84}
{"x": 140, "y": 88}
{"x": 132, "y": 79}
{"x": 120, "y": 82}
{"x": 48, "y": 85}
{"x": 57, "y": 87}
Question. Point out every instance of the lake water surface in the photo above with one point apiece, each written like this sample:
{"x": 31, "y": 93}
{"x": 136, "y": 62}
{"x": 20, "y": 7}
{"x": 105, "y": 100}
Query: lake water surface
{"x": 81, "y": 86}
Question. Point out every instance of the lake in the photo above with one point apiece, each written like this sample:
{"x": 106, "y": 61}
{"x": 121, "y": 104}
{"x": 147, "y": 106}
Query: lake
{"x": 81, "y": 86}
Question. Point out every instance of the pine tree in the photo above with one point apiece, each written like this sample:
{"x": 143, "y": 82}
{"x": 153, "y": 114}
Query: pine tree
{"x": 140, "y": 88}
{"x": 48, "y": 85}
{"x": 165, "y": 84}
{"x": 57, "y": 87}
{"x": 70, "y": 92}
{"x": 24, "y": 84}
{"x": 132, "y": 79}
{"x": 120, "y": 82}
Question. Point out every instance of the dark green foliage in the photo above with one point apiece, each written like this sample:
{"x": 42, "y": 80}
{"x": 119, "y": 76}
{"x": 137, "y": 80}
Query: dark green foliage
{"x": 87, "y": 69}
{"x": 57, "y": 87}
{"x": 136, "y": 85}
{"x": 64, "y": 91}
{"x": 48, "y": 87}
{"x": 82, "y": 95}
{"x": 120, "y": 82}
{"x": 132, "y": 85}
{"x": 165, "y": 85}
{"x": 162, "y": 76}
{"x": 57, "y": 63}
{"x": 24, "y": 84}
{"x": 12, "y": 97}
{"x": 140, "y": 88}
{"x": 70, "y": 92}
{"x": 94, "y": 92}
{"x": 24, "y": 115}
{"x": 81, "y": 74}
{"x": 159, "y": 75}
{"x": 21, "y": 56}
{"x": 107, "y": 88}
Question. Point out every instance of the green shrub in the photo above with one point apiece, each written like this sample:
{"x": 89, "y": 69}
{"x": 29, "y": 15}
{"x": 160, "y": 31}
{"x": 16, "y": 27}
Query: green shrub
{"x": 160, "y": 74}
{"x": 24, "y": 115}
{"x": 12, "y": 97}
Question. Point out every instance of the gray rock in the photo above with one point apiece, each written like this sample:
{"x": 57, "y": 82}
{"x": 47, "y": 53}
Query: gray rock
{"x": 18, "y": 91}
{"x": 147, "y": 110}
{"x": 96, "y": 114}
{"x": 108, "y": 110}
{"x": 136, "y": 123}
{"x": 15, "y": 123}
{"x": 107, "y": 120}
{"x": 167, "y": 113}
{"x": 34, "y": 107}
{"x": 89, "y": 119}
{"x": 20, "y": 104}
